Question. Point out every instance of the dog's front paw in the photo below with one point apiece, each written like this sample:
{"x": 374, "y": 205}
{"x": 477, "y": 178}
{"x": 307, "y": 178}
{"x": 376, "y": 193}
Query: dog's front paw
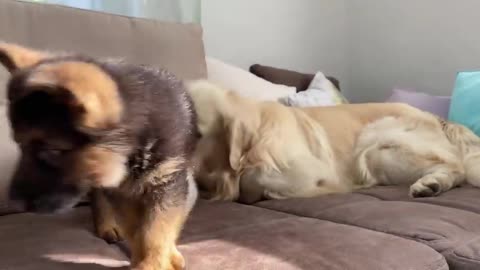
{"x": 272, "y": 195}
{"x": 109, "y": 231}
{"x": 425, "y": 187}
{"x": 158, "y": 267}
{"x": 174, "y": 262}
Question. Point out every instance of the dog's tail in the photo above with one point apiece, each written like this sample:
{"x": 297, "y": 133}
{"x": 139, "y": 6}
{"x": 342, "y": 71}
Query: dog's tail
{"x": 468, "y": 144}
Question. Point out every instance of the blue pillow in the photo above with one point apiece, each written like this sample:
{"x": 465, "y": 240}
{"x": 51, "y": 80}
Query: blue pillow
{"x": 465, "y": 104}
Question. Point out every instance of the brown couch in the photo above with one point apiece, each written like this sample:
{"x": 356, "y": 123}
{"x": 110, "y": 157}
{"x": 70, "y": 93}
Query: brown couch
{"x": 375, "y": 229}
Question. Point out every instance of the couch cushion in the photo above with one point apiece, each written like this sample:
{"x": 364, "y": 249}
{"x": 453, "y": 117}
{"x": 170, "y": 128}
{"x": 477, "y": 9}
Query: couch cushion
{"x": 232, "y": 236}
{"x": 31, "y": 242}
{"x": 223, "y": 236}
{"x": 177, "y": 47}
{"x": 448, "y": 223}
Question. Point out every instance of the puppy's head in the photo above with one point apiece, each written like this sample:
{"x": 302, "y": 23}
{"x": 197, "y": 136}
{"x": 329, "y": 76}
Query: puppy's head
{"x": 62, "y": 110}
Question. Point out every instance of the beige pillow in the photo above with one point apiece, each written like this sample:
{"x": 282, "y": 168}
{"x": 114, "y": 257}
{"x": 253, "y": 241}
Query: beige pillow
{"x": 244, "y": 82}
{"x": 8, "y": 158}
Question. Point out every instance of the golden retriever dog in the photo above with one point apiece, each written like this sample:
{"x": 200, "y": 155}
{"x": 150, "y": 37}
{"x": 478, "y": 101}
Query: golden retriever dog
{"x": 251, "y": 150}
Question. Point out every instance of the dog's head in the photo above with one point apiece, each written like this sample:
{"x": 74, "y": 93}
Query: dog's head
{"x": 209, "y": 101}
{"x": 62, "y": 110}
{"x": 226, "y": 122}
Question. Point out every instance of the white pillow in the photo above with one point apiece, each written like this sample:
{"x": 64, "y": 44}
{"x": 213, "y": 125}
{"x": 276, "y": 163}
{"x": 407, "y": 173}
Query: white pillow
{"x": 8, "y": 158}
{"x": 320, "y": 92}
{"x": 244, "y": 82}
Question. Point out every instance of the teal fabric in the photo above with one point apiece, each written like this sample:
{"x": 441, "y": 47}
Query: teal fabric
{"x": 465, "y": 104}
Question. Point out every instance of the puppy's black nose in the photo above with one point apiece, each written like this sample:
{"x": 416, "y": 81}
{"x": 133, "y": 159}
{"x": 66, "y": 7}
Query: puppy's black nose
{"x": 23, "y": 198}
{"x": 17, "y": 206}
{"x": 16, "y": 196}
{"x": 41, "y": 207}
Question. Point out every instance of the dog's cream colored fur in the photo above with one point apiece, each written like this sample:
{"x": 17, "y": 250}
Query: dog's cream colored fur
{"x": 251, "y": 150}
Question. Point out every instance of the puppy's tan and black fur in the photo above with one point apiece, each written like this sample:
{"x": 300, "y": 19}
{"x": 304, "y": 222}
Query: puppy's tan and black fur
{"x": 124, "y": 131}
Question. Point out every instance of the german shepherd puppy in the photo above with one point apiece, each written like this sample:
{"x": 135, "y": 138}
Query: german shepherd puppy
{"x": 124, "y": 131}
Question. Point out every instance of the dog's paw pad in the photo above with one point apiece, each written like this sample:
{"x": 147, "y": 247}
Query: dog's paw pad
{"x": 434, "y": 187}
{"x": 421, "y": 193}
{"x": 425, "y": 189}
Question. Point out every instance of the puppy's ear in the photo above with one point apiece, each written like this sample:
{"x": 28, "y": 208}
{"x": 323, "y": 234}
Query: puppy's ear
{"x": 15, "y": 57}
{"x": 86, "y": 89}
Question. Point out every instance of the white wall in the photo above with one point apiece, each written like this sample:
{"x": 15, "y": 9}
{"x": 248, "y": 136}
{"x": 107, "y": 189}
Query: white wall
{"x": 304, "y": 35}
{"x": 373, "y": 46}
{"x": 418, "y": 44}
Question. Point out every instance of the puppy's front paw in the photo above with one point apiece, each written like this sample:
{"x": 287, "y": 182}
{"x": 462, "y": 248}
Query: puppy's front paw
{"x": 425, "y": 187}
{"x": 109, "y": 231}
{"x": 174, "y": 262}
{"x": 177, "y": 260}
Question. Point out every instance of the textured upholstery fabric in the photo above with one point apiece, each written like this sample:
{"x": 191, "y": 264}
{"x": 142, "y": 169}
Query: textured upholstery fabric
{"x": 447, "y": 223}
{"x": 178, "y": 47}
{"x": 218, "y": 236}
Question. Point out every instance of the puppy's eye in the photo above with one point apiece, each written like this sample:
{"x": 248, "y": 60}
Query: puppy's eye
{"x": 50, "y": 156}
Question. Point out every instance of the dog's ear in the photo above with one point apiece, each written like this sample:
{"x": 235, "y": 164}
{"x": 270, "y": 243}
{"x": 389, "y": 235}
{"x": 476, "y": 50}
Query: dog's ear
{"x": 15, "y": 57}
{"x": 238, "y": 143}
{"x": 86, "y": 89}
{"x": 249, "y": 150}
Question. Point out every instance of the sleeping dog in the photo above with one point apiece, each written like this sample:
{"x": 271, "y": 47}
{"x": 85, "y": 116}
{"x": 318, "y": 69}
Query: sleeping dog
{"x": 126, "y": 131}
{"x": 251, "y": 150}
